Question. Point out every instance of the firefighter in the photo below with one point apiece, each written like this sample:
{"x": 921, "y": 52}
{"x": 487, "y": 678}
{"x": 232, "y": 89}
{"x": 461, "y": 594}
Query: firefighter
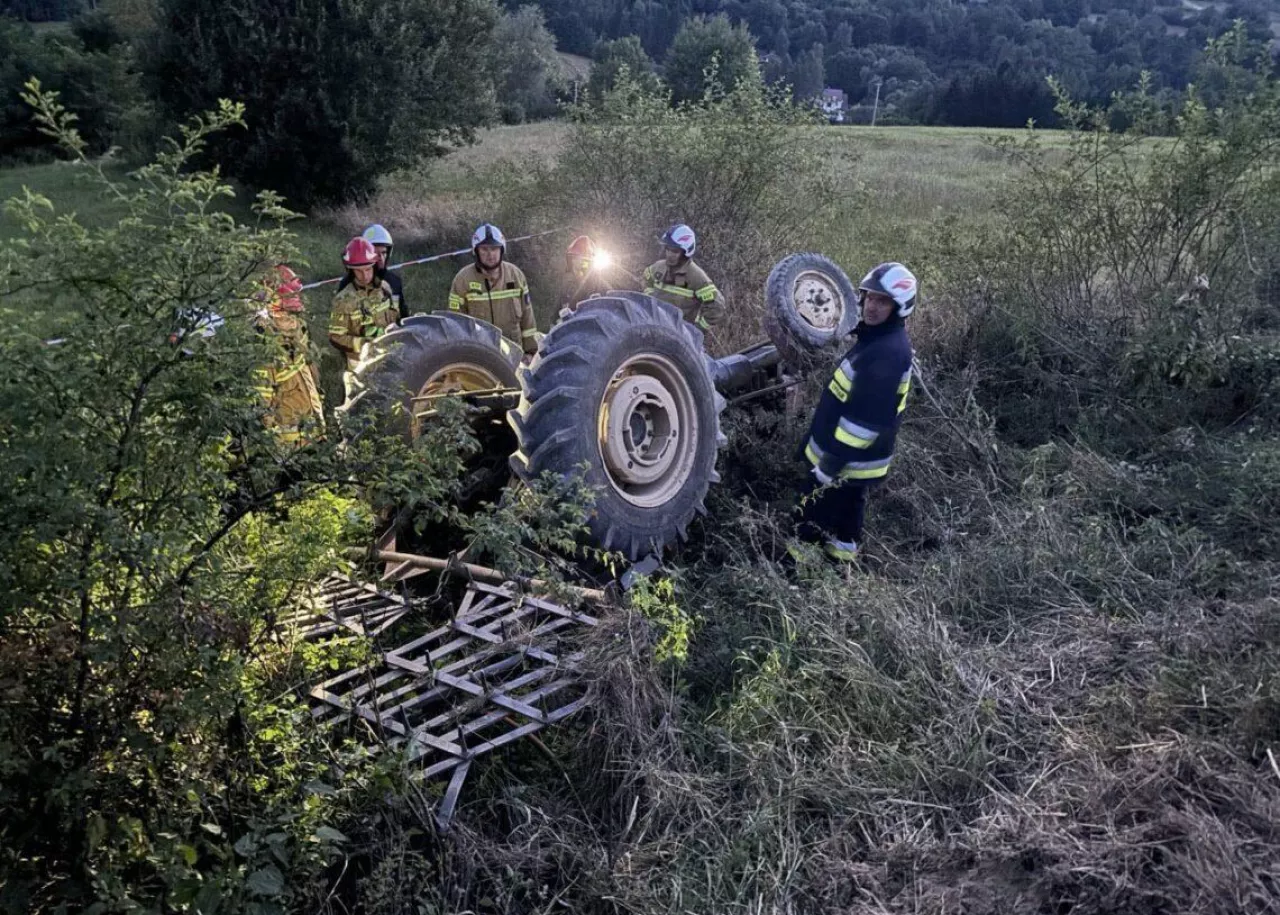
{"x": 289, "y": 385}
{"x": 584, "y": 267}
{"x": 678, "y": 280}
{"x": 850, "y": 441}
{"x": 364, "y": 309}
{"x": 493, "y": 289}
{"x": 380, "y": 238}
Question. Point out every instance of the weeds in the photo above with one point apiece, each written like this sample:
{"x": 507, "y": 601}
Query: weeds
{"x": 736, "y": 166}
{"x": 1052, "y": 684}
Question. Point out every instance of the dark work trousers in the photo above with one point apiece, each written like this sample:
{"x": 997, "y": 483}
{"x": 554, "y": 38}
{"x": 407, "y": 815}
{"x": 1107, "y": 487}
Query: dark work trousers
{"x": 836, "y": 511}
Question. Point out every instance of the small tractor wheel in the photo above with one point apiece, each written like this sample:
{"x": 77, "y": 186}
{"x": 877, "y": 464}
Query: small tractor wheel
{"x": 623, "y": 388}
{"x": 435, "y": 354}
{"x": 809, "y": 305}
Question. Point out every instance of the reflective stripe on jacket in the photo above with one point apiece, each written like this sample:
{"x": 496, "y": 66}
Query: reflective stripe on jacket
{"x": 360, "y": 314}
{"x": 855, "y": 425}
{"x": 688, "y": 288}
{"x": 396, "y": 284}
{"x": 503, "y": 301}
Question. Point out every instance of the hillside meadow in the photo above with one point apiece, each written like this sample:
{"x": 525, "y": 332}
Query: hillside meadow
{"x": 1050, "y": 684}
{"x": 911, "y": 177}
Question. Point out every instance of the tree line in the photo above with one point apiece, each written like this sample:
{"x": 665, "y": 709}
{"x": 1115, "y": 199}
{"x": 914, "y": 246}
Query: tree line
{"x": 980, "y": 62}
{"x": 338, "y": 92}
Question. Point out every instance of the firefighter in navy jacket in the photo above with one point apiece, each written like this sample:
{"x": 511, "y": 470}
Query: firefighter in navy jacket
{"x": 850, "y": 442}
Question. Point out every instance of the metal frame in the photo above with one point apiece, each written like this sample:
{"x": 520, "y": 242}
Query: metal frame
{"x": 339, "y": 603}
{"x": 492, "y": 674}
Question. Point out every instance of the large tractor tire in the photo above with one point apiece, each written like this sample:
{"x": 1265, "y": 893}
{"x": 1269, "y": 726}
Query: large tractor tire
{"x": 623, "y": 388}
{"x": 810, "y": 305}
{"x": 440, "y": 353}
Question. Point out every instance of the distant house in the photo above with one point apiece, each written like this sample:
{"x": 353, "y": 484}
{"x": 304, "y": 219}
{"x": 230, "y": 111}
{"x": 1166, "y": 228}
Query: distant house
{"x": 834, "y": 104}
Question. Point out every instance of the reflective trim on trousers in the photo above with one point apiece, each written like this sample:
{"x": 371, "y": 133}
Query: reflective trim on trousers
{"x": 865, "y": 470}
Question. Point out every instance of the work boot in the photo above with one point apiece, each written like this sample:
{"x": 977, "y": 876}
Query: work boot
{"x": 841, "y": 551}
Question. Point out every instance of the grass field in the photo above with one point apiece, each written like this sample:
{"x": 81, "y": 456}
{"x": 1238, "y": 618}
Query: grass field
{"x": 915, "y": 176}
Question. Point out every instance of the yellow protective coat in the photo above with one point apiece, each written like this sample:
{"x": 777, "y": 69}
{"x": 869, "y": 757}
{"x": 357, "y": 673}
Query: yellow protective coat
{"x": 288, "y": 385}
{"x": 360, "y": 314}
{"x": 504, "y": 302}
{"x": 688, "y": 288}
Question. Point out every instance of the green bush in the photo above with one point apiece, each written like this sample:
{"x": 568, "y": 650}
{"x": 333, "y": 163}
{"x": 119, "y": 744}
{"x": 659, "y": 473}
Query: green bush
{"x": 709, "y": 56}
{"x": 737, "y": 166}
{"x": 89, "y": 65}
{"x": 336, "y": 95}
{"x": 610, "y": 58}
{"x": 526, "y": 71}
{"x": 1127, "y": 275}
{"x": 152, "y": 753}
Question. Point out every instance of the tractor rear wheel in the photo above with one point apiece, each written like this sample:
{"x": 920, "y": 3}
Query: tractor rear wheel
{"x": 428, "y": 356}
{"x": 394, "y": 388}
{"x": 810, "y": 304}
{"x": 623, "y": 388}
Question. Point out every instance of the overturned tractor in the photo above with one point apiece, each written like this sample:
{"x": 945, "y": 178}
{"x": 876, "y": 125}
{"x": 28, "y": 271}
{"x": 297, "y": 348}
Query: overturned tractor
{"x": 622, "y": 391}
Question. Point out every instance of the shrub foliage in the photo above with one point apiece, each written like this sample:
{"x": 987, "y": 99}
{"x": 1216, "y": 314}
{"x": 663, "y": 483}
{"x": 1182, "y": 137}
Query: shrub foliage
{"x": 337, "y": 92}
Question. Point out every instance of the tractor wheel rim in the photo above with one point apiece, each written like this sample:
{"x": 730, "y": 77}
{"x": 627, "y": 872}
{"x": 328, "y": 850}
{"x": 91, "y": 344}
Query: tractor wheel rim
{"x": 818, "y": 301}
{"x": 648, "y": 430}
{"x": 454, "y": 378}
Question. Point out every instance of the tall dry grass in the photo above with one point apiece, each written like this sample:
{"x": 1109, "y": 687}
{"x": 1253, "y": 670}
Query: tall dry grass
{"x": 1051, "y": 685}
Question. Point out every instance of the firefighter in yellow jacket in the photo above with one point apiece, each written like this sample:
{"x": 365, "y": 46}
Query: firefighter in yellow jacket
{"x": 365, "y": 309}
{"x": 676, "y": 279}
{"x": 495, "y": 290}
{"x": 289, "y": 384}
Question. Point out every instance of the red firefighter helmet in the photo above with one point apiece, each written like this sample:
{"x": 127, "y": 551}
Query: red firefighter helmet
{"x": 287, "y": 288}
{"x": 359, "y": 253}
{"x": 581, "y": 247}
